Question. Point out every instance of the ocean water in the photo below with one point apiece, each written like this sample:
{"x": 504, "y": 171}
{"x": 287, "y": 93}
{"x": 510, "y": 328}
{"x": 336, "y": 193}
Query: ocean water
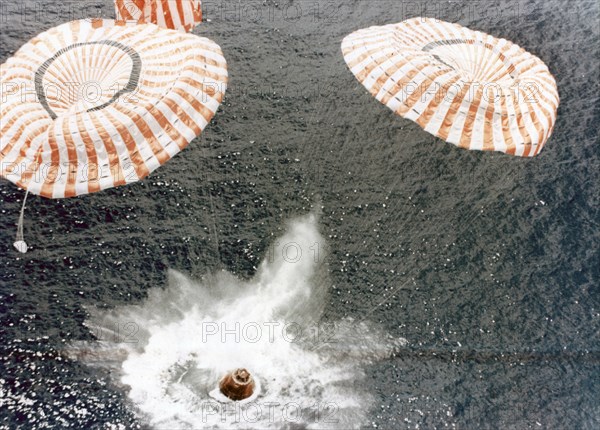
{"x": 463, "y": 287}
{"x": 171, "y": 350}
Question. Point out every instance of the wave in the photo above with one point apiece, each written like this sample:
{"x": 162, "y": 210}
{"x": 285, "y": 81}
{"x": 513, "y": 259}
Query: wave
{"x": 170, "y": 351}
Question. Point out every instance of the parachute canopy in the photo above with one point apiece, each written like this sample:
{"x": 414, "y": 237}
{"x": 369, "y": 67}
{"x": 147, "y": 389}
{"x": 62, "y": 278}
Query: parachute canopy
{"x": 463, "y": 86}
{"x": 182, "y": 15}
{"x": 90, "y": 105}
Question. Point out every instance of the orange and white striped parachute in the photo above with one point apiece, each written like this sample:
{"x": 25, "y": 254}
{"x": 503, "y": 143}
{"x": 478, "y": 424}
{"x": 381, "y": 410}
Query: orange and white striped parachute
{"x": 465, "y": 87}
{"x": 90, "y": 105}
{"x": 182, "y": 15}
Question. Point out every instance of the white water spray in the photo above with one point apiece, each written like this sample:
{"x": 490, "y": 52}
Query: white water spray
{"x": 171, "y": 350}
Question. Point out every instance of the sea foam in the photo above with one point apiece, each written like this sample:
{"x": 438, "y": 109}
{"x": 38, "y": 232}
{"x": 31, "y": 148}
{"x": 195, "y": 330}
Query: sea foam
{"x": 171, "y": 350}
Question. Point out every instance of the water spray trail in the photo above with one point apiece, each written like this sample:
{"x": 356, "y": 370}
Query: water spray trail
{"x": 184, "y": 338}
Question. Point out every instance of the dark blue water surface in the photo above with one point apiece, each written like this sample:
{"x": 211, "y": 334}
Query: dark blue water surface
{"x": 487, "y": 264}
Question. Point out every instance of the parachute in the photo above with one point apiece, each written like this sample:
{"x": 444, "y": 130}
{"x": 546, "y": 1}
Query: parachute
{"x": 95, "y": 104}
{"x": 182, "y": 15}
{"x": 463, "y": 86}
